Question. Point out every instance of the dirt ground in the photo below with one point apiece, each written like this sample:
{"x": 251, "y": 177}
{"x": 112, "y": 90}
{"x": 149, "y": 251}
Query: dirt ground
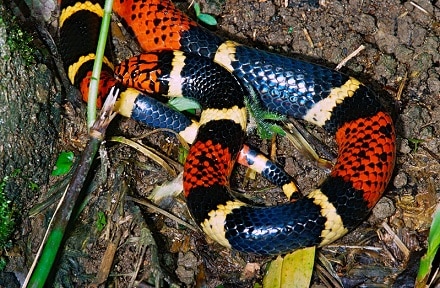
{"x": 401, "y": 60}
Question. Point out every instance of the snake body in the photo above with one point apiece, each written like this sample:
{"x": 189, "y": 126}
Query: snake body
{"x": 185, "y": 59}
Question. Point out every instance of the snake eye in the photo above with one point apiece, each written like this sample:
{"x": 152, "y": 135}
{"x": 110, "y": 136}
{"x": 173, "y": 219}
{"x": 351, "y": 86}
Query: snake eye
{"x": 134, "y": 73}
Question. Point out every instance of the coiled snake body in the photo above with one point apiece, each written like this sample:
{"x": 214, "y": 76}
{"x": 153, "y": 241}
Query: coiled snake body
{"x": 185, "y": 59}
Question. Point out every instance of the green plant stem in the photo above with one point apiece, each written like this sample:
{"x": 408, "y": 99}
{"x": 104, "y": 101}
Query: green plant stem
{"x": 97, "y": 65}
{"x": 62, "y": 217}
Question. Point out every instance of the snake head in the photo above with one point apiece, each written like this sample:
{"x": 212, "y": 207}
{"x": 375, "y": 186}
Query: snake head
{"x": 142, "y": 72}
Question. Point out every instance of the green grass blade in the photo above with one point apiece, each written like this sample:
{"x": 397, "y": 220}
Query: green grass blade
{"x": 433, "y": 247}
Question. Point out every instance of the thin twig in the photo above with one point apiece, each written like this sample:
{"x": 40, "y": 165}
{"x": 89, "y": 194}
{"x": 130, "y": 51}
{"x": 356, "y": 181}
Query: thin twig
{"x": 401, "y": 86}
{"x": 346, "y": 59}
{"x": 309, "y": 39}
{"x": 163, "y": 212}
{"x": 420, "y": 8}
{"x": 151, "y": 153}
{"x": 371, "y": 248}
{"x": 396, "y": 239}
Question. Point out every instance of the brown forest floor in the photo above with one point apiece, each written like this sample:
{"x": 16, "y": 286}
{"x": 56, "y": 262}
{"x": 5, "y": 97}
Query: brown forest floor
{"x": 401, "y": 50}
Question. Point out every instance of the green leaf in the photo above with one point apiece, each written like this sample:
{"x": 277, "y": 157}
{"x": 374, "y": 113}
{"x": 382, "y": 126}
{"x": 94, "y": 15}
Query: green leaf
{"x": 197, "y": 9}
{"x": 2, "y": 263}
{"x": 33, "y": 186}
{"x": 293, "y": 270}
{"x": 183, "y": 104}
{"x": 415, "y": 142}
{"x": 16, "y": 172}
{"x": 63, "y": 164}
{"x": 272, "y": 279}
{"x": 101, "y": 222}
{"x": 183, "y": 153}
{"x": 207, "y": 19}
{"x": 202, "y": 17}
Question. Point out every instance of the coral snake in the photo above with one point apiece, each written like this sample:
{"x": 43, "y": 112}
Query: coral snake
{"x": 185, "y": 59}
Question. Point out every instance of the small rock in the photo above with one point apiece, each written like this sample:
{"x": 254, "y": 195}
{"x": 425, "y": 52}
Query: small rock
{"x": 386, "y": 42}
{"x": 434, "y": 83}
{"x": 403, "y": 54}
{"x": 364, "y": 24}
{"x": 187, "y": 267}
{"x": 386, "y": 66}
{"x": 384, "y": 209}
{"x": 404, "y": 147}
{"x": 400, "y": 180}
